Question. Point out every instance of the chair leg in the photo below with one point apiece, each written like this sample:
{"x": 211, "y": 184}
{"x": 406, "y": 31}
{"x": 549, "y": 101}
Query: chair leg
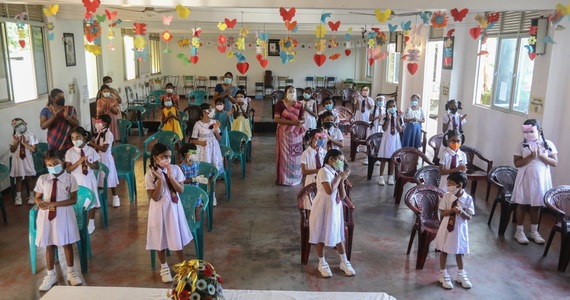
{"x": 370, "y": 168}
{"x": 210, "y": 212}
{"x": 564, "y": 252}
{"x": 412, "y": 236}
{"x": 3, "y": 208}
{"x": 32, "y": 240}
{"x": 349, "y": 236}
{"x": 228, "y": 183}
{"x": 398, "y": 191}
{"x": 492, "y": 212}
{"x": 425, "y": 239}
{"x": 550, "y": 238}
{"x": 243, "y": 163}
{"x": 488, "y": 191}
{"x": 352, "y": 151}
{"x": 152, "y": 260}
{"x": 473, "y": 188}
{"x": 200, "y": 241}
{"x": 305, "y": 246}
{"x": 506, "y": 210}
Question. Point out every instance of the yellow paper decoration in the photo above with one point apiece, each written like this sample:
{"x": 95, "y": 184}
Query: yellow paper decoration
{"x": 95, "y": 49}
{"x": 195, "y": 42}
{"x": 382, "y": 16}
{"x": 182, "y": 11}
{"x": 51, "y": 10}
{"x": 320, "y": 31}
{"x": 139, "y": 42}
{"x": 240, "y": 44}
{"x": 222, "y": 26}
{"x": 230, "y": 54}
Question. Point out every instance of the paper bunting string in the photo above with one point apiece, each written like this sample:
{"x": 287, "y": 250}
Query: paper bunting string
{"x": 166, "y": 20}
{"x": 51, "y": 10}
{"x": 459, "y": 15}
{"x": 382, "y": 16}
{"x": 287, "y": 15}
{"x": 426, "y": 16}
{"x": 182, "y": 11}
{"x": 439, "y": 19}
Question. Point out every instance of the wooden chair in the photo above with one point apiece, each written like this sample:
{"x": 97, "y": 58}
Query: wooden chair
{"x": 347, "y": 96}
{"x": 188, "y": 83}
{"x": 321, "y": 94}
{"x": 435, "y": 143}
{"x": 348, "y": 208}
{"x": 331, "y": 83}
{"x": 504, "y": 178}
{"x": 423, "y": 200}
{"x": 268, "y": 81}
{"x": 275, "y": 97}
{"x": 372, "y": 147}
{"x": 281, "y": 82}
{"x": 557, "y": 200}
{"x": 358, "y": 131}
{"x": 389, "y": 96}
{"x": 476, "y": 173}
{"x": 310, "y": 81}
{"x": 201, "y": 83}
{"x": 346, "y": 118}
{"x": 428, "y": 175}
{"x": 320, "y": 82}
{"x": 405, "y": 162}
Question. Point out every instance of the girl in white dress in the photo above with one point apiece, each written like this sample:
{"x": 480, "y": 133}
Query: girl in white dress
{"x": 103, "y": 142}
{"x": 414, "y": 117}
{"x": 533, "y": 158}
{"x": 310, "y": 106}
{"x": 376, "y": 115}
{"x": 23, "y": 144}
{"x": 452, "y": 120}
{"x": 363, "y": 104}
{"x": 392, "y": 126}
{"x": 335, "y": 139}
{"x": 453, "y": 160}
{"x": 312, "y": 159}
{"x": 167, "y": 225}
{"x": 456, "y": 208}
{"x": 326, "y": 222}
{"x": 80, "y": 160}
{"x": 56, "y": 222}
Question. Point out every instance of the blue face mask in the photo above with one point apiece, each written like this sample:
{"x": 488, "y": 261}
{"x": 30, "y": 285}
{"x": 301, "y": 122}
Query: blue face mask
{"x": 306, "y": 96}
{"x": 227, "y": 80}
{"x": 380, "y": 103}
{"x": 329, "y": 107}
{"x": 320, "y": 143}
{"x": 414, "y": 103}
{"x": 392, "y": 110}
{"x": 55, "y": 169}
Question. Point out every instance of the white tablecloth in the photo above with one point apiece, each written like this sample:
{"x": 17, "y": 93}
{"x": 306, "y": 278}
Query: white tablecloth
{"x": 121, "y": 293}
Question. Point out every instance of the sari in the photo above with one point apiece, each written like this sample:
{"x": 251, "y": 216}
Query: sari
{"x": 289, "y": 142}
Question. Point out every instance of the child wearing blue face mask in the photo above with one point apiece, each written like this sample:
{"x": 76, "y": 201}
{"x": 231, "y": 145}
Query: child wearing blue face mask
{"x": 312, "y": 159}
{"x": 310, "y": 106}
{"x": 391, "y": 125}
{"x": 328, "y": 104}
{"x": 413, "y": 118}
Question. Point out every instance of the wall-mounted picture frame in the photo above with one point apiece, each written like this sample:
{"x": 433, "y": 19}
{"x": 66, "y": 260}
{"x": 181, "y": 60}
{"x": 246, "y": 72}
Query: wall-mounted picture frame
{"x": 273, "y": 48}
{"x": 69, "y": 49}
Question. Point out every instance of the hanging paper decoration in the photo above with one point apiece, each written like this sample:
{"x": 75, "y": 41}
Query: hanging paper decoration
{"x": 291, "y": 26}
{"x": 140, "y": 42}
{"x": 90, "y": 7}
{"x": 381, "y": 38}
{"x": 51, "y": 10}
{"x": 184, "y": 43}
{"x": 320, "y": 41}
{"x": 261, "y": 48}
{"x": 439, "y": 19}
{"x": 426, "y": 16}
{"x": 166, "y": 37}
{"x": 183, "y": 58}
{"x": 21, "y": 28}
{"x": 166, "y": 20}
{"x": 113, "y": 21}
{"x": 194, "y": 51}
{"x": 222, "y": 47}
{"x": 50, "y": 34}
{"x": 222, "y": 26}
{"x": 334, "y": 56}
{"x": 333, "y": 43}
{"x": 382, "y": 16}
{"x": 406, "y": 26}
{"x": 92, "y": 31}
{"x": 459, "y": 15}
{"x": 347, "y": 42}
{"x": 392, "y": 28}
{"x": 287, "y": 15}
{"x": 334, "y": 26}
{"x": 230, "y": 23}
{"x": 182, "y": 11}
{"x": 286, "y": 49}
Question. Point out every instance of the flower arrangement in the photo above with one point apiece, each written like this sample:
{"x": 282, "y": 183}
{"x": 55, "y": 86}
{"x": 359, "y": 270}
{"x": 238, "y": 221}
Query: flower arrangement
{"x": 195, "y": 280}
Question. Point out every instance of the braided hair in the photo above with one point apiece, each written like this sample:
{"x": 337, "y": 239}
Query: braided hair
{"x": 536, "y": 123}
{"x": 386, "y": 109}
{"x": 82, "y": 132}
{"x": 452, "y": 133}
{"x": 458, "y": 103}
{"x": 156, "y": 150}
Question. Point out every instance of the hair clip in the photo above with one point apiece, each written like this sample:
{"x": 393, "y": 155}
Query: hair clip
{"x": 527, "y": 127}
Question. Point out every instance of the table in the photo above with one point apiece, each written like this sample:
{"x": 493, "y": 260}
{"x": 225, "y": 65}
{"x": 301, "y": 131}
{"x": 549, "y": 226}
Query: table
{"x": 121, "y": 293}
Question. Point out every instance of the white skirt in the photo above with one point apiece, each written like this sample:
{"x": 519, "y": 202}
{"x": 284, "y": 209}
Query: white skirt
{"x": 112, "y": 178}
{"x": 456, "y": 241}
{"x": 531, "y": 183}
{"x": 310, "y": 121}
{"x": 326, "y": 222}
{"x": 390, "y": 144}
{"x": 167, "y": 226}
{"x": 60, "y": 231}
{"x": 22, "y": 167}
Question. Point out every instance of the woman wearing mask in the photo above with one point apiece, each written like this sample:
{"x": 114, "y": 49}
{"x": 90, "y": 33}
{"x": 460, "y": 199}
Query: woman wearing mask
{"x": 170, "y": 95}
{"x": 107, "y": 105}
{"x": 289, "y": 140}
{"x": 58, "y": 119}
{"x": 226, "y": 91}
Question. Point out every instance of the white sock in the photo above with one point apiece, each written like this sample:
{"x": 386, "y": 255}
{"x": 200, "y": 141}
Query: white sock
{"x": 533, "y": 228}
{"x": 18, "y": 194}
{"x": 343, "y": 257}
{"x": 520, "y": 228}
{"x": 322, "y": 260}
{"x": 444, "y": 272}
{"x": 164, "y": 265}
{"x": 460, "y": 271}
{"x": 91, "y": 222}
{"x": 51, "y": 272}
{"x": 70, "y": 269}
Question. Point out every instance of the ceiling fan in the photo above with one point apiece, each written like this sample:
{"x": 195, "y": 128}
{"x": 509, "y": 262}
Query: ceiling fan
{"x": 148, "y": 11}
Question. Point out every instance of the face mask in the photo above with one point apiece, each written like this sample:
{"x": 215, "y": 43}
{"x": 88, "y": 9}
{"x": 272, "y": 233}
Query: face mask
{"x": 60, "y": 101}
{"x": 454, "y": 146}
{"x": 452, "y": 189}
{"x": 211, "y": 114}
{"x": 338, "y": 165}
{"x": 414, "y": 103}
{"x": 453, "y": 110}
{"x": 21, "y": 128}
{"x": 320, "y": 143}
{"x": 380, "y": 103}
{"x": 55, "y": 169}
{"x": 99, "y": 126}
{"x": 365, "y": 93}
{"x": 392, "y": 110}
{"x": 192, "y": 157}
{"x": 241, "y": 100}
{"x": 328, "y": 125}
{"x": 306, "y": 96}
{"x": 164, "y": 163}
{"x": 77, "y": 143}
{"x": 106, "y": 94}
{"x": 108, "y": 84}
{"x": 169, "y": 91}
{"x": 329, "y": 107}
{"x": 168, "y": 103}
{"x": 227, "y": 80}
{"x": 291, "y": 96}
{"x": 531, "y": 136}
{"x": 220, "y": 107}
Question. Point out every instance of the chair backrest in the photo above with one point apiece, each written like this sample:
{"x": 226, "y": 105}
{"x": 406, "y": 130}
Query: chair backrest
{"x": 226, "y": 151}
{"x": 125, "y": 156}
{"x": 4, "y": 171}
{"x": 238, "y": 140}
{"x": 423, "y": 200}
{"x": 558, "y": 200}
{"x": 406, "y": 161}
{"x": 344, "y": 114}
{"x": 309, "y": 78}
{"x": 373, "y": 144}
{"x": 321, "y": 94}
{"x": 124, "y": 126}
{"x": 276, "y": 96}
{"x": 268, "y": 78}
{"x": 358, "y": 130}
{"x": 209, "y": 171}
{"x": 188, "y": 79}
{"x": 471, "y": 153}
{"x": 435, "y": 143}
{"x": 347, "y": 95}
{"x": 83, "y": 194}
{"x": 428, "y": 175}
{"x": 189, "y": 197}
{"x": 38, "y": 157}
{"x": 166, "y": 137}
{"x": 300, "y": 92}
{"x": 504, "y": 177}
{"x": 307, "y": 191}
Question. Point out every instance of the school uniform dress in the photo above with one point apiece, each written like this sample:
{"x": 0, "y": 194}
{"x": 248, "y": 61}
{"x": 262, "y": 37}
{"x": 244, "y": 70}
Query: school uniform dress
{"x": 457, "y": 240}
{"x": 167, "y": 226}
{"x": 335, "y": 134}
{"x": 87, "y": 180}
{"x": 375, "y": 126}
{"x": 310, "y": 120}
{"x": 534, "y": 179}
{"x": 211, "y": 153}
{"x": 390, "y": 139}
{"x": 22, "y": 160}
{"x": 413, "y": 131}
{"x": 362, "y": 113}
{"x": 102, "y": 138}
{"x": 449, "y": 162}
{"x": 455, "y": 124}
{"x": 62, "y": 228}
{"x": 326, "y": 222}
{"x": 309, "y": 158}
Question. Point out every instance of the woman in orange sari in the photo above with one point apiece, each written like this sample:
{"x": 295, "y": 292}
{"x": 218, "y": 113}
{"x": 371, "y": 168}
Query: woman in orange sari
{"x": 289, "y": 138}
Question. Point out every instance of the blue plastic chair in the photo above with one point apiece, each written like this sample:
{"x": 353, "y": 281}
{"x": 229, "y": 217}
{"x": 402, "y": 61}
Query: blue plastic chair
{"x": 4, "y": 172}
{"x": 139, "y": 122}
{"x": 227, "y": 173}
{"x": 103, "y": 193}
{"x": 169, "y": 138}
{"x": 81, "y": 213}
{"x": 154, "y": 100}
{"x": 211, "y": 172}
{"x": 124, "y": 129}
{"x": 198, "y": 95}
{"x": 38, "y": 158}
{"x": 239, "y": 144}
{"x": 125, "y": 156}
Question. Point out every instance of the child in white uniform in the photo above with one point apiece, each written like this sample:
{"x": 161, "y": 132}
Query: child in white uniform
{"x": 167, "y": 225}
{"x": 453, "y": 159}
{"x": 328, "y": 105}
{"x": 23, "y": 144}
{"x": 310, "y": 109}
{"x": 363, "y": 104}
{"x": 102, "y": 143}
{"x": 376, "y": 115}
{"x": 335, "y": 137}
{"x": 326, "y": 222}
{"x": 452, "y": 120}
{"x": 312, "y": 159}
{"x": 391, "y": 125}
{"x": 56, "y": 222}
{"x": 533, "y": 158}
{"x": 80, "y": 160}
{"x": 456, "y": 208}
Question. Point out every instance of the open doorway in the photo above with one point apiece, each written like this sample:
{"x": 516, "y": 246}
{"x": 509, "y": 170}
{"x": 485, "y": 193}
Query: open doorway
{"x": 432, "y": 82}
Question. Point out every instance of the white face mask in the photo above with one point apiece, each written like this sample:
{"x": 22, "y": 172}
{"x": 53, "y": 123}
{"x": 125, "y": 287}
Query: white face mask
{"x": 291, "y": 96}
{"x": 169, "y": 91}
{"x": 106, "y": 94}
{"x": 77, "y": 143}
{"x": 168, "y": 103}
{"x": 220, "y": 107}
{"x": 99, "y": 126}
{"x": 211, "y": 114}
{"x": 365, "y": 93}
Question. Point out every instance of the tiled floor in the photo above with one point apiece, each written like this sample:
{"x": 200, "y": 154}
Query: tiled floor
{"x": 255, "y": 245}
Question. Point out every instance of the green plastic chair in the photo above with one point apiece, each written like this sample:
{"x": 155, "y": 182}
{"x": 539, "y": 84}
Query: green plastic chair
{"x": 198, "y": 95}
{"x": 139, "y": 122}
{"x": 169, "y": 138}
{"x": 124, "y": 128}
{"x": 209, "y": 171}
{"x": 225, "y": 138}
{"x": 125, "y": 156}
{"x": 4, "y": 172}
{"x": 154, "y": 100}
{"x": 239, "y": 144}
{"x": 38, "y": 158}
{"x": 227, "y": 173}
{"x": 81, "y": 215}
{"x": 188, "y": 199}
{"x": 183, "y": 124}
{"x": 103, "y": 193}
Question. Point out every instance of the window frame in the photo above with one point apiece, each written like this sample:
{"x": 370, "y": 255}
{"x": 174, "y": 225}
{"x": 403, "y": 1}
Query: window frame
{"x": 155, "y": 54}
{"x": 125, "y": 60}
{"x": 397, "y": 64}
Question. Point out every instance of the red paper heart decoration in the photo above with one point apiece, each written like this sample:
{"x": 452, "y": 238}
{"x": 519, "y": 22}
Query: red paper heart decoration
{"x": 23, "y": 43}
{"x": 334, "y": 26}
{"x": 242, "y": 67}
{"x": 406, "y": 38}
{"x": 532, "y": 55}
{"x": 194, "y": 59}
{"x": 319, "y": 59}
{"x": 371, "y": 61}
{"x": 413, "y": 68}
{"x": 263, "y": 63}
{"x": 447, "y": 61}
{"x": 347, "y": 52}
{"x": 222, "y": 49}
{"x": 258, "y": 57}
{"x": 475, "y": 32}
{"x": 91, "y": 6}
{"x": 230, "y": 23}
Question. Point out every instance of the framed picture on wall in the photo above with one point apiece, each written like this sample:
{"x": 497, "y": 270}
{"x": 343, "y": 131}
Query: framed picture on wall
{"x": 273, "y": 48}
{"x": 69, "y": 49}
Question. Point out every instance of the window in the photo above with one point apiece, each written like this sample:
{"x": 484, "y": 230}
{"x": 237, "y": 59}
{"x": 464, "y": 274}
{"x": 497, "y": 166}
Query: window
{"x": 131, "y": 65}
{"x": 92, "y": 66}
{"x": 154, "y": 54}
{"x": 369, "y": 71}
{"x": 504, "y": 75}
{"x": 393, "y": 65}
